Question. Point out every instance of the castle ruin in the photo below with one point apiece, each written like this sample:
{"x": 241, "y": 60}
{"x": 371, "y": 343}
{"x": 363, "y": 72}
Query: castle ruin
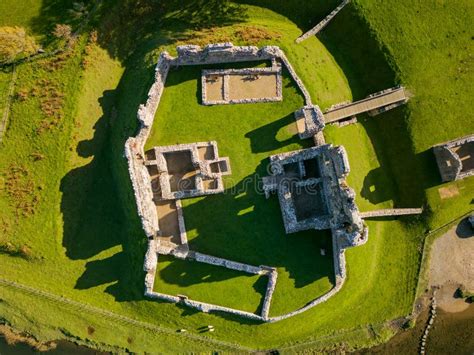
{"x": 455, "y": 158}
{"x": 310, "y": 183}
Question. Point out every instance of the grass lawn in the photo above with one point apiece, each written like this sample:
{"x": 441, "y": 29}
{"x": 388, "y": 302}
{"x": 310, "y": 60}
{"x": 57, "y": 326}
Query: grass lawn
{"x": 435, "y": 63}
{"x": 68, "y": 209}
{"x": 21, "y": 13}
{"x": 210, "y": 284}
{"x": 236, "y": 224}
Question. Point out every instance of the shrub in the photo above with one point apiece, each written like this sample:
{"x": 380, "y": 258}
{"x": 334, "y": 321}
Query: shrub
{"x": 464, "y": 293}
{"x": 409, "y": 324}
{"x": 20, "y": 187}
{"x": 22, "y": 251}
{"x": 90, "y": 330}
{"x": 15, "y": 44}
{"x": 62, "y": 31}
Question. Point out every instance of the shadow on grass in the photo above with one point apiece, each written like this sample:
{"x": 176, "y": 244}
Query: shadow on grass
{"x": 403, "y": 175}
{"x": 102, "y": 271}
{"x": 188, "y": 273}
{"x": 98, "y": 204}
{"x": 56, "y": 12}
{"x": 305, "y": 14}
{"x": 92, "y": 218}
{"x": 264, "y": 139}
{"x": 242, "y": 225}
{"x": 125, "y": 25}
{"x": 132, "y": 24}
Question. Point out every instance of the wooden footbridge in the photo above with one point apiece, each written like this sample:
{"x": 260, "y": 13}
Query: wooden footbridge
{"x": 374, "y": 104}
{"x": 391, "y": 212}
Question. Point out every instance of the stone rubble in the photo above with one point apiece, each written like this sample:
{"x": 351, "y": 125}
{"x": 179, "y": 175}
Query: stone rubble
{"x": 429, "y": 324}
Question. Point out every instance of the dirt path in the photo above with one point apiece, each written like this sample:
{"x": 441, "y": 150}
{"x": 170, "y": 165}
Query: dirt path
{"x": 452, "y": 265}
{"x": 450, "y": 334}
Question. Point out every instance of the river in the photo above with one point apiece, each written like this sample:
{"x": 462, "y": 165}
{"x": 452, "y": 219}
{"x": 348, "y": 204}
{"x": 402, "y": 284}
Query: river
{"x": 63, "y": 348}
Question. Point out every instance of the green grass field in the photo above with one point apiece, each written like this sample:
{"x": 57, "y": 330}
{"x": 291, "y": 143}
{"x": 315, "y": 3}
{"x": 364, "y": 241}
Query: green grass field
{"x": 68, "y": 223}
{"x": 237, "y": 224}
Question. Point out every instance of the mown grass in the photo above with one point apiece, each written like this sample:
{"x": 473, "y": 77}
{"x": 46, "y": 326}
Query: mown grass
{"x": 432, "y": 47}
{"x": 235, "y": 224}
{"x": 84, "y": 231}
{"x": 19, "y": 13}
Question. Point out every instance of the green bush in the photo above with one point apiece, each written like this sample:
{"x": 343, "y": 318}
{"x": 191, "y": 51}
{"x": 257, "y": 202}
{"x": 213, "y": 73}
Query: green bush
{"x": 464, "y": 293}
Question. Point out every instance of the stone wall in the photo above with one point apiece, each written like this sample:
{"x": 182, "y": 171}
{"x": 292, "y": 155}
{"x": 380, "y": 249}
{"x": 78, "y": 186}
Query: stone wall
{"x": 340, "y": 276}
{"x": 134, "y": 152}
{"x": 228, "y": 53}
{"x": 296, "y": 78}
{"x": 233, "y": 265}
{"x": 135, "y": 155}
{"x": 203, "y": 170}
{"x": 218, "y": 53}
{"x": 225, "y": 73}
{"x": 391, "y": 212}
{"x": 182, "y": 227}
{"x": 449, "y": 163}
{"x": 313, "y": 120}
{"x": 342, "y": 211}
{"x": 151, "y": 256}
{"x": 323, "y": 23}
{"x": 272, "y": 279}
{"x": 151, "y": 266}
{"x": 207, "y": 308}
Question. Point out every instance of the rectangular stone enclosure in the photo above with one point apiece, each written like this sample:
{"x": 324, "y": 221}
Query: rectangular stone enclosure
{"x": 233, "y": 86}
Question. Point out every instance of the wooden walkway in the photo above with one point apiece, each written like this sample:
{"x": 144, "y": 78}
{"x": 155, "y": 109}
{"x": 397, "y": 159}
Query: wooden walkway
{"x": 380, "y": 101}
{"x": 391, "y": 212}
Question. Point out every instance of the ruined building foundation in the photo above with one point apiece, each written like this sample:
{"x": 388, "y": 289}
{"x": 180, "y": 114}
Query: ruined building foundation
{"x": 164, "y": 175}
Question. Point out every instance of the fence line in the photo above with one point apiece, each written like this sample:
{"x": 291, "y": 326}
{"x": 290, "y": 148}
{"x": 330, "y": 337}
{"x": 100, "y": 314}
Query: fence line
{"x": 120, "y": 318}
{"x": 424, "y": 251}
{"x": 156, "y": 328}
{"x": 8, "y": 101}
